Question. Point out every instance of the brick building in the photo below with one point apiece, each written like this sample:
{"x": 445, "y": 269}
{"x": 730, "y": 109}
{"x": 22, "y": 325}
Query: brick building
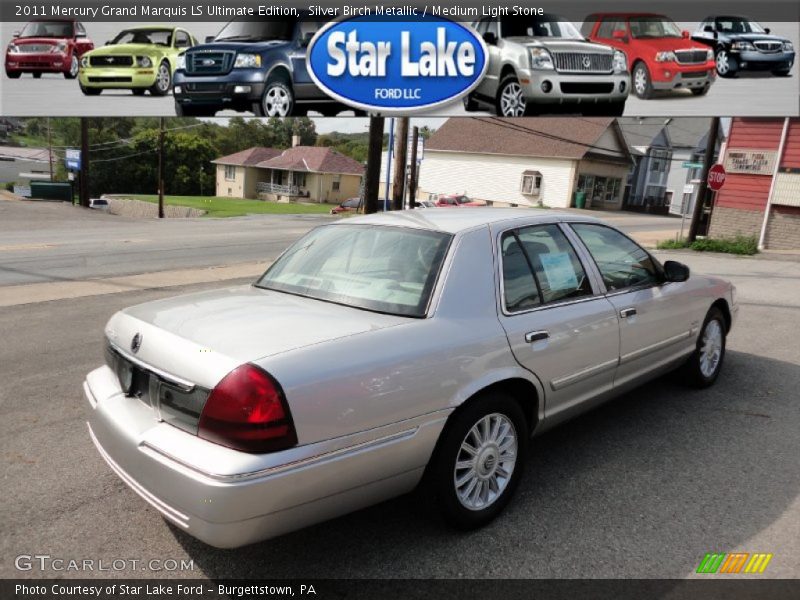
{"x": 761, "y": 195}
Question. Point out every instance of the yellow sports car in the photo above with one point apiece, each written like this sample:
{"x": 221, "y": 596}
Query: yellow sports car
{"x": 138, "y": 59}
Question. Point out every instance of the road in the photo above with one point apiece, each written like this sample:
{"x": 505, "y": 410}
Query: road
{"x": 747, "y": 95}
{"x": 641, "y": 487}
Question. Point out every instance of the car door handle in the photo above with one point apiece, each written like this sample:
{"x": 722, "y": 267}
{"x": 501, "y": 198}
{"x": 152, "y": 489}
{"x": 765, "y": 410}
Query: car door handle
{"x": 627, "y": 312}
{"x": 536, "y": 336}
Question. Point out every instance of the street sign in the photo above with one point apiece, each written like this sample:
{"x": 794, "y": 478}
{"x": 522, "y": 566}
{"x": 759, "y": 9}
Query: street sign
{"x": 716, "y": 177}
{"x": 22, "y": 190}
{"x": 688, "y": 188}
{"x": 692, "y": 165}
{"x": 420, "y": 148}
{"x": 72, "y": 159}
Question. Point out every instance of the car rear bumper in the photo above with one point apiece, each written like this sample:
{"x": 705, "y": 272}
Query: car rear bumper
{"x": 672, "y": 77}
{"x": 38, "y": 63}
{"x": 117, "y": 78}
{"x": 551, "y": 87}
{"x": 228, "y": 498}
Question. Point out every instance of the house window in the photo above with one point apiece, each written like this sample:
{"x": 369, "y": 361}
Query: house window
{"x": 230, "y": 173}
{"x": 531, "y": 183}
{"x": 659, "y": 161}
{"x": 300, "y": 179}
{"x": 336, "y": 180}
{"x": 600, "y": 189}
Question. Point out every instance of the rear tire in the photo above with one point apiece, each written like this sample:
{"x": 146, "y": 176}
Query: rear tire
{"x": 705, "y": 363}
{"x": 479, "y": 460}
{"x": 470, "y": 104}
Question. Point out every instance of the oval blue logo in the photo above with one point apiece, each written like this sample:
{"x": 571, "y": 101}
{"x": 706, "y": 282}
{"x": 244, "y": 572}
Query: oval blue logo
{"x": 391, "y": 65}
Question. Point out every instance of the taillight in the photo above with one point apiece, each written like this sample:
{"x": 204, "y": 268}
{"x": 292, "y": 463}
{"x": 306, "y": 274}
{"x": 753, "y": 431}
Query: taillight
{"x": 247, "y": 411}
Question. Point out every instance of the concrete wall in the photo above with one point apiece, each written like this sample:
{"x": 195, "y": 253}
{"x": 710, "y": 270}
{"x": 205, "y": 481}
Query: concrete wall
{"x": 730, "y": 222}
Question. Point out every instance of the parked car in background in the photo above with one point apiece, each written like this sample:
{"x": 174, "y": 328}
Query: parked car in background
{"x": 140, "y": 59}
{"x": 98, "y": 203}
{"x": 660, "y": 55}
{"x": 741, "y": 44}
{"x": 345, "y": 375}
{"x": 349, "y": 205}
{"x": 536, "y": 61}
{"x": 456, "y": 201}
{"x": 256, "y": 66}
{"x": 47, "y": 46}
{"x": 424, "y": 204}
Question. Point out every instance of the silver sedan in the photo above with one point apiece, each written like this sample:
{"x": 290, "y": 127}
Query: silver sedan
{"x": 383, "y": 353}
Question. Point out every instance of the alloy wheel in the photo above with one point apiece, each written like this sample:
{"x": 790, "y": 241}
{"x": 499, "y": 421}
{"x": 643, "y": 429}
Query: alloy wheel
{"x": 723, "y": 64}
{"x": 711, "y": 348}
{"x": 163, "y": 78}
{"x": 512, "y": 100}
{"x": 640, "y": 81}
{"x": 277, "y": 102}
{"x": 74, "y": 67}
{"x": 485, "y": 462}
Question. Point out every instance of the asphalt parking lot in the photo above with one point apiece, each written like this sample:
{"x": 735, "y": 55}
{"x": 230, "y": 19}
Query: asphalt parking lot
{"x": 641, "y": 487}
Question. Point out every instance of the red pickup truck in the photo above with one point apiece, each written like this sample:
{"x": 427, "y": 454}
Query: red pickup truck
{"x": 47, "y": 46}
{"x": 660, "y": 55}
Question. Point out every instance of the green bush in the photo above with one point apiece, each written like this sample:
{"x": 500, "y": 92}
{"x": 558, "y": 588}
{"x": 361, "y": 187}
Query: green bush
{"x": 741, "y": 244}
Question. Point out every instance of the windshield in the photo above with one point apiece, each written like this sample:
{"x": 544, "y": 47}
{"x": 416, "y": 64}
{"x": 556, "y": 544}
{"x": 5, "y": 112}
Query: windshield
{"x": 257, "y": 31}
{"x": 654, "y": 27}
{"x": 738, "y": 25}
{"x": 544, "y": 26}
{"x": 162, "y": 37}
{"x": 384, "y": 269}
{"x": 53, "y": 29}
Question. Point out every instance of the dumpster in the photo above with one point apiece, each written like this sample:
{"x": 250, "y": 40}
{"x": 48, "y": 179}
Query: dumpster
{"x": 47, "y": 190}
{"x": 580, "y": 199}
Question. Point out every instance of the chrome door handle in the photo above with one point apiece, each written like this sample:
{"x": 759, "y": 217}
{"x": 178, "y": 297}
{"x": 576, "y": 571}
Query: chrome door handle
{"x": 627, "y": 312}
{"x": 536, "y": 336}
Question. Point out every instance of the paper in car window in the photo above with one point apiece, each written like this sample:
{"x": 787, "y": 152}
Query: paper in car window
{"x": 558, "y": 269}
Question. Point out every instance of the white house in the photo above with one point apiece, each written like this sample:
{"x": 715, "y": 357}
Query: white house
{"x": 528, "y": 161}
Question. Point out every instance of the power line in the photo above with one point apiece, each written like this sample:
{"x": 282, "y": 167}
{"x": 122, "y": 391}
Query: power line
{"x": 123, "y": 157}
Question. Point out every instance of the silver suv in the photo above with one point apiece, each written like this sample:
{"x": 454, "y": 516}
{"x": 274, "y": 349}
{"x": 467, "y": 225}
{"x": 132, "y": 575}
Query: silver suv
{"x": 545, "y": 60}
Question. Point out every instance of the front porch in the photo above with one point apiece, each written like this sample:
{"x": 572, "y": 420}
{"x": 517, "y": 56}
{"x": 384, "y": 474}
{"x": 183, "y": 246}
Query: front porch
{"x": 277, "y": 185}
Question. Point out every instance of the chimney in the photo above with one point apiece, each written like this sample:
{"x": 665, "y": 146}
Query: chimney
{"x": 295, "y": 141}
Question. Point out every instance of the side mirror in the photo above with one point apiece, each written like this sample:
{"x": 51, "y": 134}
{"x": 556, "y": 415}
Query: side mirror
{"x": 490, "y": 38}
{"x": 685, "y": 34}
{"x": 80, "y": 34}
{"x": 675, "y": 271}
{"x": 108, "y": 42}
{"x": 306, "y": 39}
{"x": 708, "y": 29}
{"x": 620, "y": 35}
{"x": 15, "y": 34}
{"x": 766, "y": 30}
{"x": 210, "y": 38}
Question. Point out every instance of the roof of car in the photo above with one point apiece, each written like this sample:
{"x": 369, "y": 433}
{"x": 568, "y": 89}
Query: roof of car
{"x": 456, "y": 220}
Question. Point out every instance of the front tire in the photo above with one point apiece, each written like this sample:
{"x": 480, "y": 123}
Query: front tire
{"x": 479, "y": 460}
{"x": 642, "y": 83}
{"x": 138, "y": 91}
{"x": 701, "y": 91}
{"x": 705, "y": 363}
{"x": 783, "y": 73}
{"x": 727, "y": 65}
{"x": 37, "y": 75}
{"x": 511, "y": 101}
{"x": 163, "y": 81}
{"x": 13, "y": 74}
{"x": 90, "y": 91}
{"x": 194, "y": 111}
{"x": 74, "y": 67}
{"x": 277, "y": 101}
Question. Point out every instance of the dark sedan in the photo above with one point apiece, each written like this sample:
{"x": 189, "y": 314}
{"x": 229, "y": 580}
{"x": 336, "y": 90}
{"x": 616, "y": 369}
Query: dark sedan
{"x": 741, "y": 44}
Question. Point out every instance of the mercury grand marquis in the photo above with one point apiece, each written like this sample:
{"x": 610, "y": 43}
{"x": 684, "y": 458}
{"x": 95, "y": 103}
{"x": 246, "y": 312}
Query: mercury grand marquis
{"x": 387, "y": 353}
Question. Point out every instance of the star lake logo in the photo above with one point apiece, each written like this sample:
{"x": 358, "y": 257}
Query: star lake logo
{"x": 735, "y": 562}
{"x": 136, "y": 343}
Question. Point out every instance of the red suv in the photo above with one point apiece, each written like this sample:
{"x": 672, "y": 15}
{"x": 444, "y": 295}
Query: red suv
{"x": 660, "y": 55}
{"x": 47, "y": 46}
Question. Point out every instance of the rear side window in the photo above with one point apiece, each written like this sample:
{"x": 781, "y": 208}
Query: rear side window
{"x": 621, "y": 262}
{"x": 539, "y": 267}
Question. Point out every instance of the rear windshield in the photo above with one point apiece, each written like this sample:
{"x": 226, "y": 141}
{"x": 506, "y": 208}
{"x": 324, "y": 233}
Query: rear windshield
{"x": 384, "y": 269}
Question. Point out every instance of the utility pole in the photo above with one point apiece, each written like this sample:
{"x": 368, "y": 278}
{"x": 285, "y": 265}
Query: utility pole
{"x": 412, "y": 183}
{"x": 708, "y": 160}
{"x": 372, "y": 176}
{"x": 400, "y": 161}
{"x": 50, "y": 149}
{"x": 84, "y": 183}
{"x": 161, "y": 166}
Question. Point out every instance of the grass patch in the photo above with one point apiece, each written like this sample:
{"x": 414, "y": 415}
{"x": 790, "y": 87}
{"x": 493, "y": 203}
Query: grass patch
{"x": 220, "y": 207}
{"x": 741, "y": 244}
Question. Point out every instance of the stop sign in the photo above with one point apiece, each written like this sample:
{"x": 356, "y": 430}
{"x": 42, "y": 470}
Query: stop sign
{"x": 716, "y": 177}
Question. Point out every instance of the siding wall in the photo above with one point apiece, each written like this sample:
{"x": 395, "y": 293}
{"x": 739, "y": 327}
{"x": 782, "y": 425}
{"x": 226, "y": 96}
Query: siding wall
{"x": 496, "y": 178}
